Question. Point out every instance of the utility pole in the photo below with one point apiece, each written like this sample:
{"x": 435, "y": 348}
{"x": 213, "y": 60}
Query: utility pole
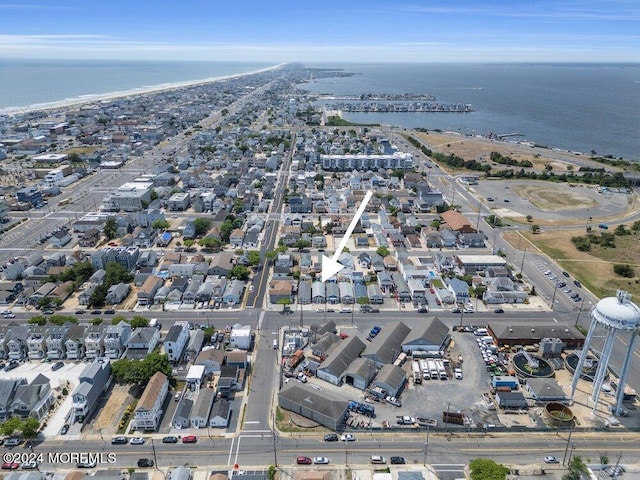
{"x": 553, "y": 298}
{"x": 275, "y": 450}
{"x": 579, "y": 312}
{"x": 426, "y": 446}
{"x": 522, "y": 263}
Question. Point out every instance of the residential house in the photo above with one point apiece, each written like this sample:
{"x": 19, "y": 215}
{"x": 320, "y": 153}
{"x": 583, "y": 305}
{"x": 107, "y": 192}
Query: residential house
{"x": 142, "y": 342}
{"x": 202, "y": 408}
{"x": 457, "y": 222}
{"x": 117, "y": 293}
{"x": 318, "y": 292}
{"x": 212, "y": 359}
{"x": 149, "y": 289}
{"x": 221, "y": 264}
{"x": 36, "y": 346}
{"x": 375, "y": 294}
{"x": 182, "y": 416}
{"x": 175, "y": 341}
{"x": 148, "y": 412}
{"x": 33, "y": 400}
{"x": 17, "y": 342}
{"x": 94, "y": 380}
{"x": 403, "y": 294}
{"x": 94, "y": 341}
{"x": 346, "y": 292}
{"x": 460, "y": 289}
{"x": 189, "y": 295}
{"x": 236, "y": 237}
{"x": 304, "y": 293}
{"x": 115, "y": 340}
{"x": 333, "y": 293}
{"x": 280, "y": 290}
{"x": 89, "y": 238}
{"x": 385, "y": 281}
{"x": 233, "y": 292}
{"x": 7, "y": 392}
{"x": 74, "y": 344}
{"x": 220, "y": 413}
{"x": 60, "y": 237}
{"x": 194, "y": 345}
{"x": 55, "y": 342}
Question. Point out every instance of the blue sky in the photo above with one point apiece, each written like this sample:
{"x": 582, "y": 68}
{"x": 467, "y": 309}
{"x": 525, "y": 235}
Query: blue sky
{"x": 323, "y": 31}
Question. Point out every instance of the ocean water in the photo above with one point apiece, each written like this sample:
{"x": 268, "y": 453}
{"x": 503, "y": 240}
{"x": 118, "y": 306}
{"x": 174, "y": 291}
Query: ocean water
{"x": 577, "y": 107}
{"x": 32, "y": 82}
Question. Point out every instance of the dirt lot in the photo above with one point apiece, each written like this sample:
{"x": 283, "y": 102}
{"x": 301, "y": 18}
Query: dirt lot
{"x": 111, "y": 411}
{"x": 549, "y": 197}
{"x": 470, "y": 148}
{"x": 595, "y": 268}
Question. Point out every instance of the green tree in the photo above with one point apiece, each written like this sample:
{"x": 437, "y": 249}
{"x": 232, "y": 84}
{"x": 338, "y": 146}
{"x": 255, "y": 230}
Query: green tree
{"x": 11, "y": 426}
{"x": 253, "y": 257}
{"x": 110, "y": 227}
{"x": 285, "y": 302}
{"x": 363, "y": 300}
{"x": 621, "y": 230}
{"x": 300, "y": 244}
{"x": 119, "y": 318}
{"x": 626, "y": 271}
{"x": 577, "y": 469}
{"x": 161, "y": 224}
{"x": 154, "y": 195}
{"x": 535, "y": 228}
{"x": 30, "y": 427}
{"x": 210, "y": 243}
{"x": 529, "y": 218}
{"x": 37, "y": 320}
{"x": 382, "y": 251}
{"x": 139, "y": 321}
{"x": 240, "y": 272}
{"x": 138, "y": 372}
{"x": 435, "y": 224}
{"x": 485, "y": 469}
{"x": 202, "y": 226}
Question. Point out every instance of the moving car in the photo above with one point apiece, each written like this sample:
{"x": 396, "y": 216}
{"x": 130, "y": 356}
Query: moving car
{"x": 397, "y": 461}
{"x": 566, "y": 274}
{"x": 551, "y": 459}
{"x": 498, "y": 310}
{"x": 170, "y": 439}
{"x": 348, "y": 437}
{"x": 189, "y": 439}
{"x": 320, "y": 461}
{"x": 302, "y": 460}
{"x": 577, "y": 283}
{"x": 96, "y": 312}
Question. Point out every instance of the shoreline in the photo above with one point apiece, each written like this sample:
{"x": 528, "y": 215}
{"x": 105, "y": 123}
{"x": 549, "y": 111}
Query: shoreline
{"x": 108, "y": 96}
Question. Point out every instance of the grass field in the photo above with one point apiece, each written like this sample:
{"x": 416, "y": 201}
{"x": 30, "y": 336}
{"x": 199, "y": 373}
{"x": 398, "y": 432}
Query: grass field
{"x": 552, "y": 198}
{"x": 593, "y": 269}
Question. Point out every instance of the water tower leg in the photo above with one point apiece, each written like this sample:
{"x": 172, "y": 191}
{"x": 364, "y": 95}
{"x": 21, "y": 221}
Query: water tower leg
{"x": 622, "y": 381}
{"x": 583, "y": 357}
{"x": 602, "y": 367}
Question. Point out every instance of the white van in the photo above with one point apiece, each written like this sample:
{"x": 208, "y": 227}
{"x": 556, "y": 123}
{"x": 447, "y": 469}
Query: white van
{"x": 275, "y": 344}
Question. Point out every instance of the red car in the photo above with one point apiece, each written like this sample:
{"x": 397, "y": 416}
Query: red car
{"x": 189, "y": 439}
{"x": 304, "y": 461}
{"x": 10, "y": 466}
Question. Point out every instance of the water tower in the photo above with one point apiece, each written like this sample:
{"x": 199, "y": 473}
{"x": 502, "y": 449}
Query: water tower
{"x": 616, "y": 316}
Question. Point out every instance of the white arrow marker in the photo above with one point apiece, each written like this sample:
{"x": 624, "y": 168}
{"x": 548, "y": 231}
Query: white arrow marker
{"x": 331, "y": 266}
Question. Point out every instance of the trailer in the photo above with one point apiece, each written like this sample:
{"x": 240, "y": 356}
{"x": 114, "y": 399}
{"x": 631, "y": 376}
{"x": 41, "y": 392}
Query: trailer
{"x": 433, "y": 369}
{"x": 424, "y": 367}
{"x": 295, "y": 359}
{"x": 442, "y": 373}
{"x": 427, "y": 422}
{"x": 453, "y": 417}
{"x": 416, "y": 371}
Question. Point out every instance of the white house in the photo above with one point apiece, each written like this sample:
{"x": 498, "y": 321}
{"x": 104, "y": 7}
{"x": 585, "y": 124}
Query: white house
{"x": 240, "y": 336}
{"x": 142, "y": 342}
{"x": 202, "y": 407}
{"x": 175, "y": 341}
{"x": 149, "y": 409}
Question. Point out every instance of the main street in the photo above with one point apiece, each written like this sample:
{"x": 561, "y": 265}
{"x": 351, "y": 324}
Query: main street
{"x": 256, "y": 449}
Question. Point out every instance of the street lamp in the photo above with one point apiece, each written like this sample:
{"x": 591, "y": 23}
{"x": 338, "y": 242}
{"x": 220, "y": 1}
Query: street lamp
{"x": 426, "y": 446}
{"x": 522, "y": 264}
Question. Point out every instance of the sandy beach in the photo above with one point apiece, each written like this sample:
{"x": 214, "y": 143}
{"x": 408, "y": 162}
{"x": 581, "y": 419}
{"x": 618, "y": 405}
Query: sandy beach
{"x": 103, "y": 97}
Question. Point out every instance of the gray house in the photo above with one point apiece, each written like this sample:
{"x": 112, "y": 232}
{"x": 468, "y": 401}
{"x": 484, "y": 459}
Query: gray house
{"x": 93, "y": 382}
{"x": 117, "y": 293}
{"x": 220, "y": 413}
{"x": 182, "y": 417}
{"x": 202, "y": 408}
{"x": 304, "y": 293}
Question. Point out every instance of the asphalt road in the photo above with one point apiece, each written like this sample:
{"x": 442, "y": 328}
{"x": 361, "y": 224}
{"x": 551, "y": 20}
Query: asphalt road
{"x": 253, "y": 449}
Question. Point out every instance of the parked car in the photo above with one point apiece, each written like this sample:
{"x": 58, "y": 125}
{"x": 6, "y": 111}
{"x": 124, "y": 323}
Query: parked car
{"x": 57, "y": 366}
{"x": 119, "y": 441}
{"x": 170, "y": 439}
{"x": 137, "y": 441}
{"x": 86, "y": 464}
{"x": 397, "y": 461}
{"x": 80, "y": 312}
{"x": 48, "y": 312}
{"x": 551, "y": 459}
{"x": 111, "y": 311}
{"x": 11, "y": 365}
{"x": 96, "y": 312}
{"x": 189, "y": 439}
{"x": 12, "y": 442}
{"x": 331, "y": 437}
{"x": 31, "y": 465}
{"x": 348, "y": 437}
{"x": 10, "y": 466}
{"x": 65, "y": 429}
{"x": 8, "y": 315}
{"x": 320, "y": 461}
{"x": 145, "y": 462}
{"x": 378, "y": 460}
{"x": 393, "y": 401}
{"x": 498, "y": 310}
{"x": 302, "y": 460}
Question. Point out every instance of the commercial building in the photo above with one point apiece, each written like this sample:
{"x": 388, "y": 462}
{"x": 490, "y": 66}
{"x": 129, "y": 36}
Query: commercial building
{"x": 325, "y": 408}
